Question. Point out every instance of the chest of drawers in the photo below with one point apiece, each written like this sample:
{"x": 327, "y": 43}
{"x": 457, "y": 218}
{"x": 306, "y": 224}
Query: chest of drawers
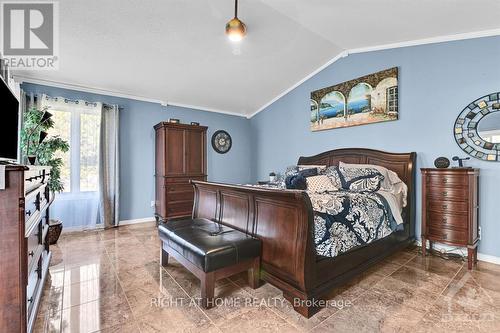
{"x": 450, "y": 209}
{"x": 24, "y": 223}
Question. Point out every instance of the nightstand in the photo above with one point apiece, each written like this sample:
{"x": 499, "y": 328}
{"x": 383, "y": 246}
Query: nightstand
{"x": 450, "y": 208}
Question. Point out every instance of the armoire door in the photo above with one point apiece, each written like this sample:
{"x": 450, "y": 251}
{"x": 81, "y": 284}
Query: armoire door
{"x": 195, "y": 152}
{"x": 175, "y": 151}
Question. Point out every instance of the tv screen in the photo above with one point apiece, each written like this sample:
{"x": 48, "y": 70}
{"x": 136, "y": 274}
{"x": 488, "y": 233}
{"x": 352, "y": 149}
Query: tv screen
{"x": 9, "y": 124}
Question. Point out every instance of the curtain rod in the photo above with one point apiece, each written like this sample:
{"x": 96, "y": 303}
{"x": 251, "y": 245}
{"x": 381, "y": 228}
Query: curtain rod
{"x": 76, "y": 101}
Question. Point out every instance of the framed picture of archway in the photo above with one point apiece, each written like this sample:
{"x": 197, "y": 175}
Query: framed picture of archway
{"x": 369, "y": 99}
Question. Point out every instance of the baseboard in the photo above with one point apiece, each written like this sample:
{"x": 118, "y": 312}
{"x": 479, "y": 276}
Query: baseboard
{"x": 463, "y": 251}
{"x": 80, "y": 228}
{"x": 97, "y": 227}
{"x": 488, "y": 258}
{"x": 136, "y": 221}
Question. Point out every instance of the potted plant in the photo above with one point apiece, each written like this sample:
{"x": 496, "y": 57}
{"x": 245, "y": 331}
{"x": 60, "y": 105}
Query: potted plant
{"x": 37, "y": 147}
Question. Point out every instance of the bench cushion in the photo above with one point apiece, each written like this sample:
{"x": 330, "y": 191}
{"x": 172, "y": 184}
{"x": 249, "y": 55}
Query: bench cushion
{"x": 193, "y": 240}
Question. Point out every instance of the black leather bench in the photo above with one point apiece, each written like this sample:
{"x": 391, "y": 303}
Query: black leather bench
{"x": 211, "y": 252}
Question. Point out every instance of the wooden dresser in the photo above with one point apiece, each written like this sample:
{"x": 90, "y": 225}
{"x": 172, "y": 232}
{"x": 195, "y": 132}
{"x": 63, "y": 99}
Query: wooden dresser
{"x": 25, "y": 255}
{"x": 181, "y": 152}
{"x": 450, "y": 207}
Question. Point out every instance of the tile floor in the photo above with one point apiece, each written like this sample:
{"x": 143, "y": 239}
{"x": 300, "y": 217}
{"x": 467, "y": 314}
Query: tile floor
{"x": 111, "y": 281}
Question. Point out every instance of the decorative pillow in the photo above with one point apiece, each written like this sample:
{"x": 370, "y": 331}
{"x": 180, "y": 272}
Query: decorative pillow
{"x": 296, "y": 182}
{"x": 361, "y": 180}
{"x": 333, "y": 173}
{"x": 295, "y": 178}
{"x": 319, "y": 184}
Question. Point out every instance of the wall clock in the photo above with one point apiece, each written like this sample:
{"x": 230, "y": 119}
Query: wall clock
{"x": 221, "y": 141}
{"x": 477, "y": 128}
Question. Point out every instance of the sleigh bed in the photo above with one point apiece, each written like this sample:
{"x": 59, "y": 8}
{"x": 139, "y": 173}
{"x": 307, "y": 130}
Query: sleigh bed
{"x": 284, "y": 221}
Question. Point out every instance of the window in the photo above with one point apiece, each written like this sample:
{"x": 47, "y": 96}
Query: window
{"x": 80, "y": 127}
{"x": 79, "y": 124}
{"x": 392, "y": 99}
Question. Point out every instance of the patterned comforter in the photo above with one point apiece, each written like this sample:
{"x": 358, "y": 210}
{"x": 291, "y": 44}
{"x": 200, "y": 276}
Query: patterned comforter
{"x": 344, "y": 220}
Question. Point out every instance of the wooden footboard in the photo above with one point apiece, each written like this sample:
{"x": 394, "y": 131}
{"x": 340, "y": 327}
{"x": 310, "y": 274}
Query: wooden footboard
{"x": 283, "y": 220}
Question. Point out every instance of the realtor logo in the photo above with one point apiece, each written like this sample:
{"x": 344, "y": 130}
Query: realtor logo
{"x": 30, "y": 34}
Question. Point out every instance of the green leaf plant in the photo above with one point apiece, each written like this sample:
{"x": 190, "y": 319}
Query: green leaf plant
{"x": 45, "y": 152}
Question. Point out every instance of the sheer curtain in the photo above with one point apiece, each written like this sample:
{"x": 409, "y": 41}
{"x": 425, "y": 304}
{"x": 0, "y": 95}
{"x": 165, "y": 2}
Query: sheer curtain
{"x": 79, "y": 123}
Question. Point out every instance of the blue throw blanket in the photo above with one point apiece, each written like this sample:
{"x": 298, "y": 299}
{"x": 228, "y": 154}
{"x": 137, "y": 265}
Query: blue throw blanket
{"x": 344, "y": 220}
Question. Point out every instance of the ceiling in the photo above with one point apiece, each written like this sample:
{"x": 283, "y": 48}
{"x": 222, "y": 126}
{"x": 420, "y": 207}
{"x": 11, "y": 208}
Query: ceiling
{"x": 175, "y": 51}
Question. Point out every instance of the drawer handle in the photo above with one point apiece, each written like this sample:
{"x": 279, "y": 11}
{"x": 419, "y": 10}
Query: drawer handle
{"x": 445, "y": 180}
{"x": 28, "y": 212}
{"x": 445, "y": 220}
{"x": 31, "y": 253}
{"x": 30, "y": 299}
{"x": 445, "y": 194}
{"x": 445, "y": 206}
{"x": 445, "y": 236}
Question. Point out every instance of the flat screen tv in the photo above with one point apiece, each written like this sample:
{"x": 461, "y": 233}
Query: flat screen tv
{"x": 9, "y": 124}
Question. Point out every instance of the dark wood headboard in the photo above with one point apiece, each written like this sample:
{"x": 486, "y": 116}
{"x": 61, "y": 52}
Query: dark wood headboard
{"x": 401, "y": 163}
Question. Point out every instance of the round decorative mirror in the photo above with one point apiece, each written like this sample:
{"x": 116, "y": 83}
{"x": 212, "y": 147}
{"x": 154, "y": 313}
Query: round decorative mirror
{"x": 477, "y": 128}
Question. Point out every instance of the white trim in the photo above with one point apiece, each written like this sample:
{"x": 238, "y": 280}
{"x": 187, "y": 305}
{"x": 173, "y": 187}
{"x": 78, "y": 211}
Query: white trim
{"x": 136, "y": 221}
{"x": 202, "y": 108}
{"x": 20, "y": 79}
{"x": 463, "y": 251}
{"x": 316, "y": 71}
{"x": 345, "y": 53}
{"x": 488, "y": 258}
{"x": 81, "y": 228}
{"x": 424, "y": 41}
{"x": 77, "y": 87}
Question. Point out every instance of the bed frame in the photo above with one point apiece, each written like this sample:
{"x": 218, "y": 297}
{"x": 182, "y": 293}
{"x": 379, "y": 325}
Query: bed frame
{"x": 283, "y": 220}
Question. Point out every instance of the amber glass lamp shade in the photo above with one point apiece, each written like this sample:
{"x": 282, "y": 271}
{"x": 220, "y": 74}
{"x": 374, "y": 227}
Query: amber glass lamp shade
{"x": 236, "y": 30}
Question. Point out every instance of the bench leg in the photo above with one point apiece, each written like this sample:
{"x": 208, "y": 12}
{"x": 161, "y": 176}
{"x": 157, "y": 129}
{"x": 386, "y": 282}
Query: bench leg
{"x": 207, "y": 290}
{"x": 163, "y": 257}
{"x": 254, "y": 274}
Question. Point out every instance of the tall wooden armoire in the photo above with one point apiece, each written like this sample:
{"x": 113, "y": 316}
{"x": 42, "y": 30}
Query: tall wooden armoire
{"x": 181, "y": 155}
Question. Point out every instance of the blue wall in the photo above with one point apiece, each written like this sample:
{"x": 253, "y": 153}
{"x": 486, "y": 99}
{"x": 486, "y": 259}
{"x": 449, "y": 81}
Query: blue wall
{"x": 137, "y": 145}
{"x": 435, "y": 83}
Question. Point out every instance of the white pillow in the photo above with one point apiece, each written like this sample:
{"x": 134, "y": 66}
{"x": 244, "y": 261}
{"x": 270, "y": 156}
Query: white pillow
{"x": 305, "y": 166}
{"x": 391, "y": 183}
{"x": 320, "y": 184}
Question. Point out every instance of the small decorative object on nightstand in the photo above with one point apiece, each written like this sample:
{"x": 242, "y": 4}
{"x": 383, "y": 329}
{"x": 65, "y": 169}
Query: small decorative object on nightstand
{"x": 441, "y": 162}
{"x": 450, "y": 206}
{"x": 272, "y": 177}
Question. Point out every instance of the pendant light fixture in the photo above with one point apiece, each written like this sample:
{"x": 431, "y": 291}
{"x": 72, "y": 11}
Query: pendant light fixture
{"x": 235, "y": 29}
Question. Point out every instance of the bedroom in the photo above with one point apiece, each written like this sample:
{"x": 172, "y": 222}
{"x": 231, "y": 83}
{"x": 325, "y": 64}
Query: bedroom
{"x": 136, "y": 60}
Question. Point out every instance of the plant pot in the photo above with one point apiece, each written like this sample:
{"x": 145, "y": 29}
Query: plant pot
{"x": 55, "y": 229}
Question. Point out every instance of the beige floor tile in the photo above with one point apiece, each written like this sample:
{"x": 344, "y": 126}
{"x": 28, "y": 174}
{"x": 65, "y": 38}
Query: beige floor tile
{"x": 111, "y": 281}
{"x": 442, "y": 267}
{"x": 259, "y": 319}
{"x": 91, "y": 290}
{"x": 96, "y": 315}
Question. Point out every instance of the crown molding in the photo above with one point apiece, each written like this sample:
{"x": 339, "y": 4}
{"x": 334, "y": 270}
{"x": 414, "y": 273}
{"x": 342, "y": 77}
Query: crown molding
{"x": 342, "y": 54}
{"x": 416, "y": 42}
{"x": 82, "y": 88}
{"x": 424, "y": 41}
{"x": 20, "y": 79}
{"x": 203, "y": 108}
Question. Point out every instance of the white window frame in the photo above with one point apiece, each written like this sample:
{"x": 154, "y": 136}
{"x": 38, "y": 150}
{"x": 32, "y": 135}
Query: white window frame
{"x": 75, "y": 111}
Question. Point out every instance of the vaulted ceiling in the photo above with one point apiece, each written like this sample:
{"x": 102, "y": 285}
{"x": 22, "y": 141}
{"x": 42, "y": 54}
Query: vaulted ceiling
{"x": 175, "y": 51}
